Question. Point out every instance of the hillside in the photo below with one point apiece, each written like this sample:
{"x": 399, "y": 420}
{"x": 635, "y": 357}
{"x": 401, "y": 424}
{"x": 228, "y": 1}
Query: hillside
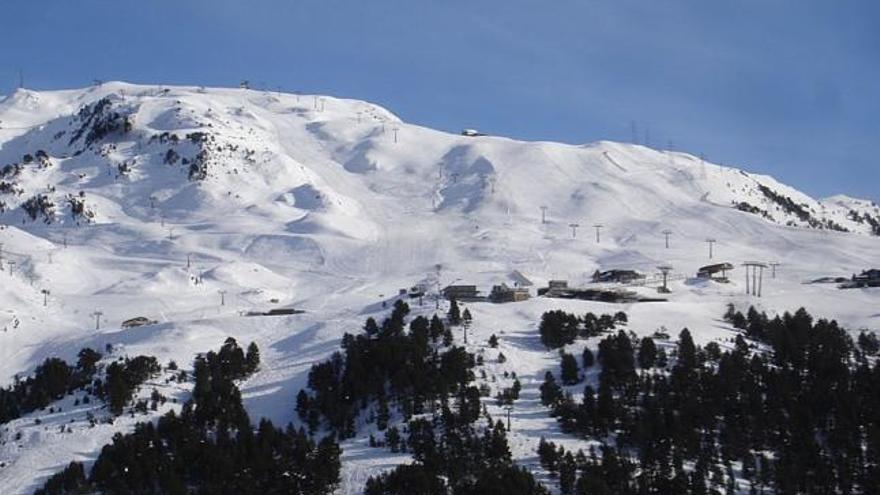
{"x": 164, "y": 202}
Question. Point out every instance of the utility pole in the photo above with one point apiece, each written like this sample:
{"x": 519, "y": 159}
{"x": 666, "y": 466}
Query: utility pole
{"x": 97, "y": 315}
{"x": 543, "y": 214}
{"x": 222, "y": 297}
{"x": 11, "y": 264}
{"x": 773, "y": 265}
{"x": 667, "y": 233}
{"x": 454, "y": 174}
{"x": 508, "y": 408}
{"x": 711, "y": 242}
{"x": 492, "y": 183}
{"x": 598, "y": 228}
{"x": 64, "y": 239}
{"x": 394, "y": 130}
{"x": 188, "y": 260}
{"x": 760, "y": 279}
{"x": 45, "y": 297}
{"x": 755, "y": 269}
{"x": 664, "y": 269}
{"x": 574, "y": 227}
{"x": 171, "y": 233}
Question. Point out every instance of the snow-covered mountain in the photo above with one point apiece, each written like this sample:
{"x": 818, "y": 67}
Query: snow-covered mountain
{"x": 164, "y": 201}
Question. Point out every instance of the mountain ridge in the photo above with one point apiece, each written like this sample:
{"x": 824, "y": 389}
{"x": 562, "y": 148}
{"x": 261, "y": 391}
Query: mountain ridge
{"x": 177, "y": 119}
{"x": 332, "y": 206}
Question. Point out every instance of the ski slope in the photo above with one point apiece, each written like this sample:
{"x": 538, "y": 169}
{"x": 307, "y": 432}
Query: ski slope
{"x": 167, "y": 200}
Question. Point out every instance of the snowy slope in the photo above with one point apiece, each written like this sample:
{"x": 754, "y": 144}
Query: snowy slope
{"x": 150, "y": 201}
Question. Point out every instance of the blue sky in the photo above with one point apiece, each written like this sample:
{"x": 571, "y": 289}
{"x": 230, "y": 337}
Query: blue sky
{"x": 785, "y": 87}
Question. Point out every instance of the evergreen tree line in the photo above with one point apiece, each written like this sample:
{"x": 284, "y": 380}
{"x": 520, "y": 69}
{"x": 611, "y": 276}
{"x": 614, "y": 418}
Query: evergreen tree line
{"x": 387, "y": 365}
{"x": 210, "y": 447}
{"x": 122, "y": 378}
{"x": 453, "y": 456}
{"x": 607, "y": 474}
{"x": 559, "y": 328}
{"x": 52, "y": 380}
{"x": 801, "y": 417}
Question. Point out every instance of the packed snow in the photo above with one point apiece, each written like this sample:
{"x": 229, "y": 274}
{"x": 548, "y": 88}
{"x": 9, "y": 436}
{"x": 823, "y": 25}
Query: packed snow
{"x": 194, "y": 206}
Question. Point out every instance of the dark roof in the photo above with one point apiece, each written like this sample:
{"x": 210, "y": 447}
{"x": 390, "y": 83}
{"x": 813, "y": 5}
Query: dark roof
{"x": 460, "y": 288}
{"x": 616, "y": 275}
{"x": 717, "y": 267}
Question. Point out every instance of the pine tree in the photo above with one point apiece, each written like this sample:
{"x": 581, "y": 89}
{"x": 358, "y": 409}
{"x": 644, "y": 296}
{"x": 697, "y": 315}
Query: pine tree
{"x": 467, "y": 319}
{"x": 550, "y": 391}
{"x": 687, "y": 351}
{"x": 547, "y": 455}
{"x": 370, "y": 327}
{"x": 730, "y": 313}
{"x": 383, "y": 414}
{"x": 588, "y": 358}
{"x": 252, "y": 358}
{"x": 302, "y": 405}
{"x": 326, "y": 465}
{"x": 393, "y": 439}
{"x": 567, "y": 474}
{"x": 515, "y": 389}
{"x": 447, "y": 337}
{"x": 647, "y": 353}
{"x": 570, "y": 374}
{"x": 454, "y": 315}
{"x": 558, "y": 328}
{"x": 436, "y": 329}
{"x": 88, "y": 358}
{"x": 493, "y": 341}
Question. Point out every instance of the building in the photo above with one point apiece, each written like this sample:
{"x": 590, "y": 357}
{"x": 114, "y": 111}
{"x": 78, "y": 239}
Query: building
{"x": 462, "y": 293}
{"x": 554, "y": 288}
{"x": 471, "y": 133}
{"x": 502, "y": 294}
{"x": 868, "y": 278}
{"x": 282, "y": 312}
{"x": 139, "y": 321}
{"x": 712, "y": 271}
{"x": 618, "y": 276}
